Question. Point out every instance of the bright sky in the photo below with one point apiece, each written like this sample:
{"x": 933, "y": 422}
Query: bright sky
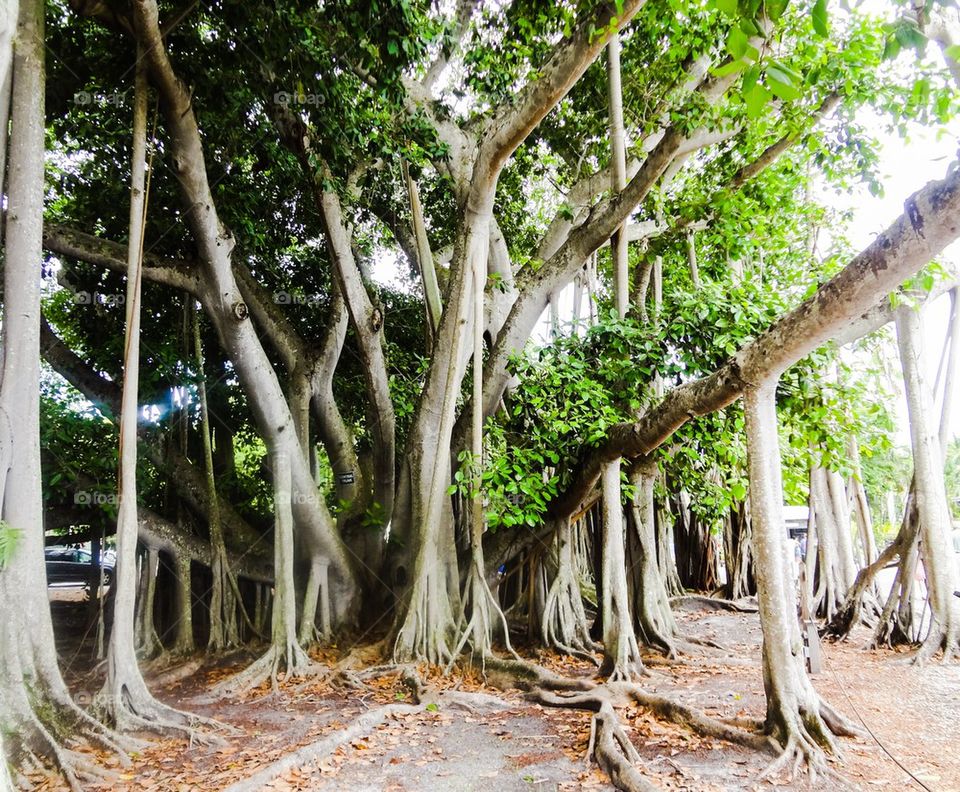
{"x": 906, "y": 166}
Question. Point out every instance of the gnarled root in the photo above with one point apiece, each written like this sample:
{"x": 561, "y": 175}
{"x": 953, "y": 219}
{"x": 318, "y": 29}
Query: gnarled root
{"x": 609, "y": 740}
{"x": 807, "y": 739}
{"x": 484, "y": 615}
{"x": 293, "y": 658}
{"x": 47, "y": 723}
{"x": 614, "y": 752}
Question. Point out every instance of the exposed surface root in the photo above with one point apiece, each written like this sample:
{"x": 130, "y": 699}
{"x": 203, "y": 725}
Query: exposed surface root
{"x": 610, "y": 744}
{"x": 293, "y": 658}
{"x": 322, "y": 748}
{"x": 365, "y": 723}
{"x": 614, "y": 752}
{"x": 529, "y": 676}
{"x": 714, "y": 603}
{"x": 676, "y": 712}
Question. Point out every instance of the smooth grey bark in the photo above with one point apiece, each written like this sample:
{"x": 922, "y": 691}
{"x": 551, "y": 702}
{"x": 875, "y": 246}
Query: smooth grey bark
{"x": 285, "y": 649}
{"x": 563, "y": 623}
{"x": 621, "y": 655}
{"x": 655, "y": 623}
{"x": 124, "y": 699}
{"x": 425, "y": 262}
{"x": 861, "y": 506}
{"x": 425, "y": 619}
{"x": 33, "y": 696}
{"x": 147, "y": 641}
{"x": 481, "y": 615}
{"x": 367, "y": 322}
{"x": 932, "y": 507}
{"x": 796, "y": 716}
{"x": 222, "y": 299}
{"x": 224, "y": 593}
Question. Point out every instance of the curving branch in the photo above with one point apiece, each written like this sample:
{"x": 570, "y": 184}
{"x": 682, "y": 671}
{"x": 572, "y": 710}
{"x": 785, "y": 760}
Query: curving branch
{"x": 931, "y": 221}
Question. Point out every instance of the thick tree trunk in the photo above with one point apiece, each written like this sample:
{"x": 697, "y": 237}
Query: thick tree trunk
{"x": 481, "y": 613}
{"x": 124, "y": 699}
{"x": 654, "y": 620}
{"x": 221, "y": 297}
{"x": 936, "y": 547}
{"x": 796, "y": 717}
{"x": 621, "y": 655}
{"x": 34, "y": 702}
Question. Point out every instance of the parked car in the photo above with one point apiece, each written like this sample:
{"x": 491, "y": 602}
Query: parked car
{"x": 69, "y": 565}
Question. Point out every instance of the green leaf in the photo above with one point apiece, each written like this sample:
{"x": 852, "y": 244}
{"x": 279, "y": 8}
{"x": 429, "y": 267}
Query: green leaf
{"x": 738, "y": 491}
{"x": 727, "y": 7}
{"x": 953, "y": 52}
{"x": 781, "y": 84}
{"x": 820, "y": 18}
{"x": 891, "y": 48}
{"x": 432, "y": 707}
{"x": 737, "y": 43}
{"x": 756, "y": 99}
{"x": 730, "y": 68}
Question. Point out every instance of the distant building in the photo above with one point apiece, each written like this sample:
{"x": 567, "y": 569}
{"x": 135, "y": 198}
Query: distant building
{"x": 795, "y": 519}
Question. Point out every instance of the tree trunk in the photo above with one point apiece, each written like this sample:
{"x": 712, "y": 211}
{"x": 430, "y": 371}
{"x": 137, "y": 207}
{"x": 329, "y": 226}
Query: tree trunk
{"x": 654, "y": 620}
{"x": 935, "y": 544}
{"x": 34, "y": 701}
{"x": 621, "y": 655}
{"x": 124, "y": 699}
{"x": 224, "y": 633}
{"x": 221, "y": 297}
{"x": 796, "y": 717}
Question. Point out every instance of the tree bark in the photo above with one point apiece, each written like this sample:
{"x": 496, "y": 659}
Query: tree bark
{"x": 33, "y": 696}
{"x": 936, "y": 547}
{"x": 796, "y": 717}
{"x": 221, "y": 297}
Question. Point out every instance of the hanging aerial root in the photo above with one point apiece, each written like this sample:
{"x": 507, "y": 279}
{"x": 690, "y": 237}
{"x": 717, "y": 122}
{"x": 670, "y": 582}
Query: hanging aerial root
{"x": 563, "y": 626}
{"x": 485, "y": 615}
{"x": 295, "y": 661}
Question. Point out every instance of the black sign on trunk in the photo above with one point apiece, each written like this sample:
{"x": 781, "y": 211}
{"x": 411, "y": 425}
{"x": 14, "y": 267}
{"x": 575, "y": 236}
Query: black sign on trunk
{"x": 346, "y": 477}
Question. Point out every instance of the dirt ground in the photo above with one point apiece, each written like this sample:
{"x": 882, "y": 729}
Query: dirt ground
{"x": 914, "y": 713}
